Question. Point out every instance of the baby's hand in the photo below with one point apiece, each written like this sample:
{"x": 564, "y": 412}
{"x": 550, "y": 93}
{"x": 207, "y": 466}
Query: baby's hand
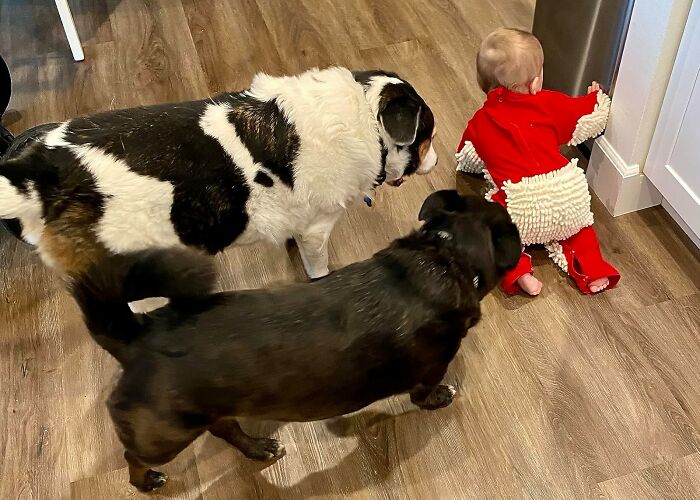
{"x": 593, "y": 87}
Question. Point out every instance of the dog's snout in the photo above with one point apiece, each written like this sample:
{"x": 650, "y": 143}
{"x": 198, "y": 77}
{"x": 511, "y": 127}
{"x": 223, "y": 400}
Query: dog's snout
{"x": 428, "y": 162}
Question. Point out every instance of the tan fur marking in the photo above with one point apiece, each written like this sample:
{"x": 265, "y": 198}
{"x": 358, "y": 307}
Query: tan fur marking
{"x": 69, "y": 247}
{"x": 424, "y": 148}
{"x": 425, "y": 145}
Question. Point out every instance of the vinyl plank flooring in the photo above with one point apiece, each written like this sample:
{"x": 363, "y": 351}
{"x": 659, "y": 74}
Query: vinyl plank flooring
{"x": 667, "y": 335}
{"x": 233, "y": 42}
{"x": 629, "y": 241}
{"x": 33, "y": 419}
{"x": 610, "y": 410}
{"x": 380, "y": 23}
{"x": 156, "y": 57}
{"x": 679, "y": 479}
{"x": 298, "y": 38}
{"x": 91, "y": 438}
{"x": 28, "y": 28}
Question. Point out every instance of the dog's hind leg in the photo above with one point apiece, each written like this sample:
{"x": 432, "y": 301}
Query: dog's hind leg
{"x": 156, "y": 449}
{"x": 439, "y": 397}
{"x": 150, "y": 439}
{"x": 230, "y": 431}
{"x": 143, "y": 477}
{"x": 430, "y": 394}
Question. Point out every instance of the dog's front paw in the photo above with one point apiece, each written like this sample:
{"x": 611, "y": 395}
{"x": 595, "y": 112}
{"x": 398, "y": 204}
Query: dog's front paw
{"x": 441, "y": 396}
{"x": 153, "y": 480}
{"x": 318, "y": 274}
{"x": 264, "y": 449}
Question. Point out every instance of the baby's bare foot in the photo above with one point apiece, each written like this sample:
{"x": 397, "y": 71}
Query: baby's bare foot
{"x": 598, "y": 285}
{"x": 530, "y": 284}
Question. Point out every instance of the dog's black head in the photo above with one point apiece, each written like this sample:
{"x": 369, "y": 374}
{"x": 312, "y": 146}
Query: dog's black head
{"x": 406, "y": 124}
{"x": 481, "y": 234}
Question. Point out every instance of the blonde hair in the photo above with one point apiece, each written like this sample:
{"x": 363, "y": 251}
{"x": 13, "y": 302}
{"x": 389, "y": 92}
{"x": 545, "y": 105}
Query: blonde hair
{"x": 508, "y": 58}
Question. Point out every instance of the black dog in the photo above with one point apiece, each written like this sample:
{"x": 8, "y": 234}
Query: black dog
{"x": 385, "y": 326}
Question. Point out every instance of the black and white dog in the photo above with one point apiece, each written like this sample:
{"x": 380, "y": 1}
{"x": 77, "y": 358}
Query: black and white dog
{"x": 389, "y": 325}
{"x": 281, "y": 159}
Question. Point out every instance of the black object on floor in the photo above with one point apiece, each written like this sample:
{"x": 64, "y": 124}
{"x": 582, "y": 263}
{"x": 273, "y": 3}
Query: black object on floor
{"x": 5, "y": 91}
{"x": 17, "y": 143}
{"x": 5, "y": 86}
{"x": 6, "y": 139}
{"x": 13, "y": 226}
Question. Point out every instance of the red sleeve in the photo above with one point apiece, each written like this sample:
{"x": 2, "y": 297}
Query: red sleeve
{"x": 467, "y": 135}
{"x": 567, "y": 111}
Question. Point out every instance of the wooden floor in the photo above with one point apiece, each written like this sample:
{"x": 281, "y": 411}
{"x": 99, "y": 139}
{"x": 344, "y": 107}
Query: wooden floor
{"x": 563, "y": 396}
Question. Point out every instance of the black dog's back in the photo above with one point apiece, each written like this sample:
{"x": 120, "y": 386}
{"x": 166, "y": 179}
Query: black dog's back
{"x": 305, "y": 352}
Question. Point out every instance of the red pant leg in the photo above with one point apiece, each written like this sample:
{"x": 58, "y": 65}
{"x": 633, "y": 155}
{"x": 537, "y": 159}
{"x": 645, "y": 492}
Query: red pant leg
{"x": 585, "y": 262}
{"x": 510, "y": 280}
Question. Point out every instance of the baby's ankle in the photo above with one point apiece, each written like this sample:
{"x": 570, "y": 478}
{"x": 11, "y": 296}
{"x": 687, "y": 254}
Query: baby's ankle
{"x": 529, "y": 284}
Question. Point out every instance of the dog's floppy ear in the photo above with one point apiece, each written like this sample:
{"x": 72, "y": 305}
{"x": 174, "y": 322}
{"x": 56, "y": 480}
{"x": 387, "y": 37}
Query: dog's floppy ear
{"x": 446, "y": 200}
{"x": 506, "y": 244}
{"x": 504, "y": 234}
{"x": 399, "y": 114}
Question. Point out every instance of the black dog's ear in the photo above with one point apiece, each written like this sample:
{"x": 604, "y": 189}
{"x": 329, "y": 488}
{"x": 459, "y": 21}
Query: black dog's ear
{"x": 506, "y": 244}
{"x": 400, "y": 120}
{"x": 399, "y": 113}
{"x": 446, "y": 200}
{"x": 504, "y": 234}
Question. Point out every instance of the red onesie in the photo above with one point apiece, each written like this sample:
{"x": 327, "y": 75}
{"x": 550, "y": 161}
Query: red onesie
{"x": 514, "y": 139}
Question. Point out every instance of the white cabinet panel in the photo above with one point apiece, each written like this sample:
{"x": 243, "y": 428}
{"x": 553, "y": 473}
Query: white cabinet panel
{"x": 685, "y": 158}
{"x": 673, "y": 164}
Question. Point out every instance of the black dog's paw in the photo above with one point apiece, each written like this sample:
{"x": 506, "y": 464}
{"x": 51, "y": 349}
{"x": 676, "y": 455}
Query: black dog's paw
{"x": 153, "y": 480}
{"x": 441, "y": 396}
{"x": 264, "y": 449}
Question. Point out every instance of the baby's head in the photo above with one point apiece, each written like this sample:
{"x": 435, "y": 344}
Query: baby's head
{"x": 512, "y": 59}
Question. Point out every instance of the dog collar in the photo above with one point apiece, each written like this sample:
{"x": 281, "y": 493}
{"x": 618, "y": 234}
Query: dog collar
{"x": 369, "y": 198}
{"x": 382, "y": 172}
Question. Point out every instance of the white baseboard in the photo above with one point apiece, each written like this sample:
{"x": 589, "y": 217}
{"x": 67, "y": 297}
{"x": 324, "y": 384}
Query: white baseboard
{"x": 621, "y": 187}
{"x": 681, "y": 223}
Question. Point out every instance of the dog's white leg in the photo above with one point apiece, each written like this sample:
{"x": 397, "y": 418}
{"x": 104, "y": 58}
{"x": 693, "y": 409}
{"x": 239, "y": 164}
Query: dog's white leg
{"x": 313, "y": 246}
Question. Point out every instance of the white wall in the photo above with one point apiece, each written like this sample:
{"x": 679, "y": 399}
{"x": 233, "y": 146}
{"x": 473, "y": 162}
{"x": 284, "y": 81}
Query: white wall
{"x": 616, "y": 167}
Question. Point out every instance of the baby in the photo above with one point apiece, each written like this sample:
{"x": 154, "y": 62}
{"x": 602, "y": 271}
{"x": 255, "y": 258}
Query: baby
{"x": 514, "y": 139}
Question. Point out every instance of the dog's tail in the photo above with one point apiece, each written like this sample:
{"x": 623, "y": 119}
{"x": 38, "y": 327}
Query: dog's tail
{"x": 104, "y": 292}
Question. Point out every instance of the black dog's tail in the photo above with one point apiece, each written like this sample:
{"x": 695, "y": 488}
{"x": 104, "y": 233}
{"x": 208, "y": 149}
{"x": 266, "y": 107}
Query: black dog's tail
{"x": 104, "y": 292}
